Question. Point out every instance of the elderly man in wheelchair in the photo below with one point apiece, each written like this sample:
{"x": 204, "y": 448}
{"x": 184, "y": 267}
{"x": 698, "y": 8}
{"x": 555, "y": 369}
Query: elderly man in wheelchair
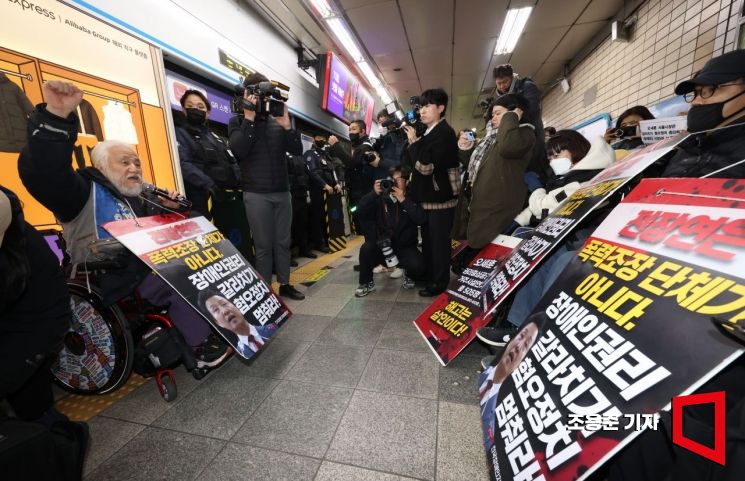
{"x": 84, "y": 200}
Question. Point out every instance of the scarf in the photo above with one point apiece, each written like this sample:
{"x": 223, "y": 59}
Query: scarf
{"x": 480, "y": 152}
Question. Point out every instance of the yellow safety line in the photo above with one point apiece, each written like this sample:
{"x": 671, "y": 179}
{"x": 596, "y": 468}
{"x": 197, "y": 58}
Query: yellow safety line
{"x": 82, "y": 408}
{"x": 302, "y": 273}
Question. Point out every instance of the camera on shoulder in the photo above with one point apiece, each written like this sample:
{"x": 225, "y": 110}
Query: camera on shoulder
{"x": 271, "y": 98}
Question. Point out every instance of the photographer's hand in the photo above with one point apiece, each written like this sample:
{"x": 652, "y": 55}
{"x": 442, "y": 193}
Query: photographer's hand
{"x": 284, "y": 121}
{"x": 250, "y": 114}
{"x": 399, "y": 194}
{"x": 610, "y": 135}
{"x": 411, "y": 133}
{"x": 376, "y": 188}
{"x": 62, "y": 97}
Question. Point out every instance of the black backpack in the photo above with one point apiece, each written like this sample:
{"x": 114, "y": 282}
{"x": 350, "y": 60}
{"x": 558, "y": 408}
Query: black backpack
{"x": 31, "y": 451}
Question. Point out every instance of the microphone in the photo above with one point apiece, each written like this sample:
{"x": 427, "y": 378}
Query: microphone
{"x": 150, "y": 188}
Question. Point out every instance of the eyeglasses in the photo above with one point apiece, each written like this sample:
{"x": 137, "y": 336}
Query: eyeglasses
{"x": 705, "y": 91}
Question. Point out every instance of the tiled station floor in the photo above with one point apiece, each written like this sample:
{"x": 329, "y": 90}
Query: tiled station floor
{"x": 348, "y": 390}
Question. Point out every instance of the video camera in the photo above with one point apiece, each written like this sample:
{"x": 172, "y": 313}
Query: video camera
{"x": 411, "y": 117}
{"x": 271, "y": 98}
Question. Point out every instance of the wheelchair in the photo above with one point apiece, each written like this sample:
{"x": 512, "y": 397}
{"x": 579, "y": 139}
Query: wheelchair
{"x": 106, "y": 343}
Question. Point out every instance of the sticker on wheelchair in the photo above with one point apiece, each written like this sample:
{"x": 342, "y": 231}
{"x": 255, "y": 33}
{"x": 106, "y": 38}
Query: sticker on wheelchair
{"x": 207, "y": 270}
{"x": 91, "y": 357}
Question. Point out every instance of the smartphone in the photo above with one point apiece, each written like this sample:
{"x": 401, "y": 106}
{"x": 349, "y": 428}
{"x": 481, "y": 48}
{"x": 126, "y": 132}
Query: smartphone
{"x": 470, "y": 135}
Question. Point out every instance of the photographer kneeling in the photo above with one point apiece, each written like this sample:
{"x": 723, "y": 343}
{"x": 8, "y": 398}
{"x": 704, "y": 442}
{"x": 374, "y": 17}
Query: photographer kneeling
{"x": 389, "y": 221}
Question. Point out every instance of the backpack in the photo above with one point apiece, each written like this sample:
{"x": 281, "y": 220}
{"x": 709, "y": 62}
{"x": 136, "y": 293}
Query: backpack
{"x": 32, "y": 451}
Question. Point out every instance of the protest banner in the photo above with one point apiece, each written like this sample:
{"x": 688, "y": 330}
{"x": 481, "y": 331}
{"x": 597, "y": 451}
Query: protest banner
{"x": 199, "y": 263}
{"x": 626, "y": 327}
{"x": 446, "y": 324}
{"x": 503, "y": 277}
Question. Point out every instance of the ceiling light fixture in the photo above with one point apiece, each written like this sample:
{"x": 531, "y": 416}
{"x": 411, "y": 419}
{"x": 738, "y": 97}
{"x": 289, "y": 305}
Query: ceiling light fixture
{"x": 340, "y": 30}
{"x": 514, "y": 24}
{"x": 372, "y": 79}
{"x": 384, "y": 96}
{"x": 322, "y": 8}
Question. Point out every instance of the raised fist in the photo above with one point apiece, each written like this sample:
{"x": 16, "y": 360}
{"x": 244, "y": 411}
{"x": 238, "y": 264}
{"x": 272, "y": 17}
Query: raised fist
{"x": 62, "y": 97}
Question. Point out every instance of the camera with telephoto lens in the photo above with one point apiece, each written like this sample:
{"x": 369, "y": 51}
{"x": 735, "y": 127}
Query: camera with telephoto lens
{"x": 270, "y": 99}
{"x": 387, "y": 185}
{"x": 391, "y": 260}
{"x": 623, "y": 132}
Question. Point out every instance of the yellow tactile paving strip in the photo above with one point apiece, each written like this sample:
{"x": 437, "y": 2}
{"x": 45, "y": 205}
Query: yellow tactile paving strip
{"x": 309, "y": 270}
{"x": 83, "y": 408}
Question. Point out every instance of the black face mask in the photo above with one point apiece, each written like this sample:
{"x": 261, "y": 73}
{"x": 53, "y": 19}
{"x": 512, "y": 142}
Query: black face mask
{"x": 319, "y": 144}
{"x": 196, "y": 117}
{"x": 354, "y": 137}
{"x": 706, "y": 117}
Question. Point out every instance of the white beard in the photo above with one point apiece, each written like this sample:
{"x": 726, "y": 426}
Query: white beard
{"x": 130, "y": 191}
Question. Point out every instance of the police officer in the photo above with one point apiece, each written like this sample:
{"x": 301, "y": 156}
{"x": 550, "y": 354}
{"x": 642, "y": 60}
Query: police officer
{"x": 207, "y": 164}
{"x": 359, "y": 163}
{"x": 323, "y": 181}
{"x": 299, "y": 176}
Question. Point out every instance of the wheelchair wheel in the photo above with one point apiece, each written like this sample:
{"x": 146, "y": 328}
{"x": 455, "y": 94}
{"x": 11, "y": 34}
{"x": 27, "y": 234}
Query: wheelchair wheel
{"x": 98, "y": 349}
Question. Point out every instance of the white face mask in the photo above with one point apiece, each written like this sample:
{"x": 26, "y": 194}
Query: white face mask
{"x": 561, "y": 165}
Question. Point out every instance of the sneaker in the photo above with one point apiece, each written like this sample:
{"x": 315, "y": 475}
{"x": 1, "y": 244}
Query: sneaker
{"x": 287, "y": 290}
{"x": 408, "y": 283}
{"x": 397, "y": 273}
{"x": 212, "y": 352}
{"x": 364, "y": 289}
{"x": 379, "y": 269}
{"x": 496, "y": 336}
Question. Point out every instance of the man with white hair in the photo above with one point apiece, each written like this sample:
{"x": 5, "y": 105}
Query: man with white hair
{"x": 84, "y": 200}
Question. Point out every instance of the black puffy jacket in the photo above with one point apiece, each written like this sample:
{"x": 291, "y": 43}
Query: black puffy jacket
{"x": 260, "y": 148}
{"x": 706, "y": 153}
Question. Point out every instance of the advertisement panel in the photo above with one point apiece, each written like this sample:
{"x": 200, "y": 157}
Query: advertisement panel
{"x": 120, "y": 75}
{"x": 343, "y": 93}
{"x": 220, "y": 102}
{"x": 625, "y": 328}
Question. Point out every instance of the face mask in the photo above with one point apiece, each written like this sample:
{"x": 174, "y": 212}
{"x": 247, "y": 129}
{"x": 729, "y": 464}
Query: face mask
{"x": 195, "y": 116}
{"x": 560, "y": 165}
{"x": 354, "y": 137}
{"x": 319, "y": 143}
{"x": 706, "y": 117}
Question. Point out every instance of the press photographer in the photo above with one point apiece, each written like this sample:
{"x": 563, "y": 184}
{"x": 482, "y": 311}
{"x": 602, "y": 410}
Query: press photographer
{"x": 389, "y": 220}
{"x": 435, "y": 184}
{"x": 260, "y": 138}
{"x": 360, "y": 163}
{"x": 390, "y": 145}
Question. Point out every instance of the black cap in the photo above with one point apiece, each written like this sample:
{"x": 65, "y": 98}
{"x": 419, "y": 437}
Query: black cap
{"x": 717, "y": 71}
